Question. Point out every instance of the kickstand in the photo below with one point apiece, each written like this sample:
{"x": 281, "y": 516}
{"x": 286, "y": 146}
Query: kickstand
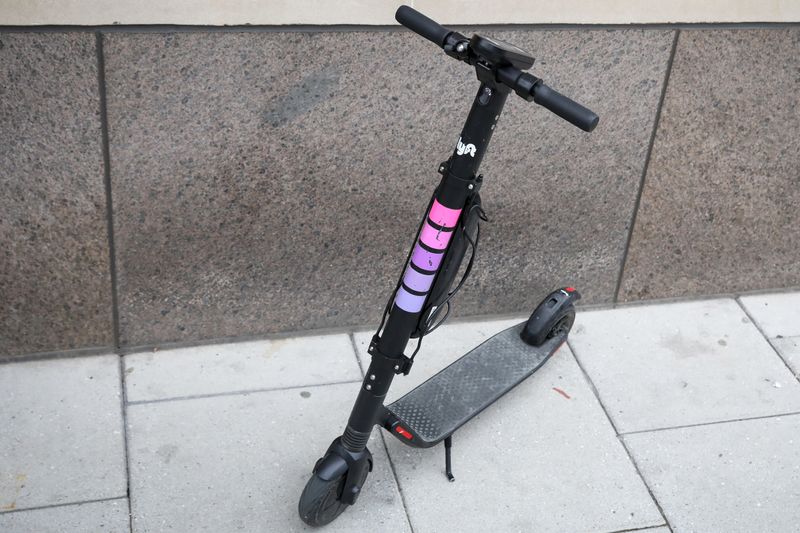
{"x": 448, "y": 467}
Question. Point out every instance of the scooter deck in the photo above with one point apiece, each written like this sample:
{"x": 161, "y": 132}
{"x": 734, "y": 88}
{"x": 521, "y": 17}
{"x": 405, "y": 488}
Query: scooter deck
{"x": 435, "y": 409}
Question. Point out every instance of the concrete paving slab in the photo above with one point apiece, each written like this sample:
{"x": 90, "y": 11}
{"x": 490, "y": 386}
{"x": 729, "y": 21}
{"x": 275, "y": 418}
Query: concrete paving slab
{"x": 669, "y": 365}
{"x": 737, "y": 476}
{"x": 439, "y": 349}
{"x": 107, "y": 516}
{"x": 789, "y": 348}
{"x": 240, "y": 462}
{"x": 240, "y": 366}
{"x": 61, "y": 439}
{"x": 543, "y": 458}
{"x": 776, "y": 314}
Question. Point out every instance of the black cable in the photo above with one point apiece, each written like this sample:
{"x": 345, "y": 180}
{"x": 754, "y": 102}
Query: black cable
{"x": 405, "y": 265}
{"x": 446, "y": 303}
{"x": 467, "y": 271}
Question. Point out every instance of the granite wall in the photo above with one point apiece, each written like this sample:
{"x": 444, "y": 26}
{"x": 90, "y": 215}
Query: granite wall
{"x": 260, "y": 181}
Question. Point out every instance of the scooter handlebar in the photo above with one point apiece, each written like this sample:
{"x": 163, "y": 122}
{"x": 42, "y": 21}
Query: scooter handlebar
{"x": 419, "y": 23}
{"x": 530, "y": 88}
{"x": 565, "y": 107}
{"x": 524, "y": 84}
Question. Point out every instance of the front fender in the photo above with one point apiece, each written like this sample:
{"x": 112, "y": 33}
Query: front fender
{"x": 338, "y": 460}
{"x": 330, "y": 467}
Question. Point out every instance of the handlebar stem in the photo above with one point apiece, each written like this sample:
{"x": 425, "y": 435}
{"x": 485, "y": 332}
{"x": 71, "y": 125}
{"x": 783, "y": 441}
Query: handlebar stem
{"x": 477, "y": 132}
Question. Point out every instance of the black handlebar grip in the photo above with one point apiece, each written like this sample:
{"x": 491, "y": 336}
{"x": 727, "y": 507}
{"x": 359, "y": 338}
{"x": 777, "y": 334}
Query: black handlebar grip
{"x": 419, "y": 23}
{"x": 568, "y": 109}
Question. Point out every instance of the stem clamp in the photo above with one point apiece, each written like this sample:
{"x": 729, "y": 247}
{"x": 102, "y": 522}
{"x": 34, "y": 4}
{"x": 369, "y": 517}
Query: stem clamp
{"x": 400, "y": 365}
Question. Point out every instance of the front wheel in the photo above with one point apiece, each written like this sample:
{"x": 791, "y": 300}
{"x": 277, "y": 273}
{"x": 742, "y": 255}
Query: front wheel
{"x": 320, "y": 502}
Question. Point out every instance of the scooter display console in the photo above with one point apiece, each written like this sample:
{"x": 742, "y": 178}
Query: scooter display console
{"x": 500, "y": 53}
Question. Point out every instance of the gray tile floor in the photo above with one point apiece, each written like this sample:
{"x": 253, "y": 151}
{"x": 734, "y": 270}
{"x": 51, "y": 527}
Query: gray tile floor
{"x": 682, "y": 417}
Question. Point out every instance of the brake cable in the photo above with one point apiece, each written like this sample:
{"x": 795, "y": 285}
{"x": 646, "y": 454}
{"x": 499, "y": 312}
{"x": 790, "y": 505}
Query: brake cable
{"x": 474, "y": 248}
{"x": 446, "y": 303}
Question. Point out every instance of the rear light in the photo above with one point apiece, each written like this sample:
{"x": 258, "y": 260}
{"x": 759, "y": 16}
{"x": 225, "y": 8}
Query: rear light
{"x": 403, "y": 432}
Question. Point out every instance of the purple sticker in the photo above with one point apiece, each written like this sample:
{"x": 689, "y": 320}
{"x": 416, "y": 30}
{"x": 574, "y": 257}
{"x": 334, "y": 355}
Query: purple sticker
{"x": 409, "y": 302}
{"x": 416, "y": 281}
{"x": 425, "y": 259}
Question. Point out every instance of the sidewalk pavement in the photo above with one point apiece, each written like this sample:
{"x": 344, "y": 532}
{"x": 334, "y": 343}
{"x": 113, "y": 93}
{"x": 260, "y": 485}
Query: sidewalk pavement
{"x": 681, "y": 416}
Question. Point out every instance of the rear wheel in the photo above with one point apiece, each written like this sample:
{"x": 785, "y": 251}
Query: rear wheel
{"x": 320, "y": 502}
{"x": 535, "y": 332}
{"x": 563, "y": 325}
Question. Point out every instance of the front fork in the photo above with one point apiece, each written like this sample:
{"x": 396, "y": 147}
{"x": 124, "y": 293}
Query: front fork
{"x": 368, "y": 409}
{"x": 349, "y": 453}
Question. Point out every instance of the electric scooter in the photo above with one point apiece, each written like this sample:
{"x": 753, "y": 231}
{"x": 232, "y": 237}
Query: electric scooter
{"x": 421, "y": 300}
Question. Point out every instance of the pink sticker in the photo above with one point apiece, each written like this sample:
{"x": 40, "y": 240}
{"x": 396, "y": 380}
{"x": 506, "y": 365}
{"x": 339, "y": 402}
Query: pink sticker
{"x": 444, "y": 216}
{"x": 434, "y": 238}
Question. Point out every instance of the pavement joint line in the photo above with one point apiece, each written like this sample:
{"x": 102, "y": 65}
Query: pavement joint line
{"x": 383, "y": 441}
{"x": 616, "y": 431}
{"x": 125, "y": 445}
{"x": 714, "y": 423}
{"x": 298, "y": 334}
{"x": 396, "y": 480}
{"x": 352, "y": 337}
{"x": 244, "y": 392}
{"x": 644, "y": 481}
{"x": 592, "y": 386}
{"x": 644, "y": 528}
{"x": 65, "y": 504}
{"x": 763, "y": 334}
{"x": 130, "y": 513}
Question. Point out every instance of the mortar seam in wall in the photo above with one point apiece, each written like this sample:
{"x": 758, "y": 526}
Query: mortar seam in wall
{"x": 112, "y": 256}
{"x": 390, "y": 28}
{"x": 646, "y": 167}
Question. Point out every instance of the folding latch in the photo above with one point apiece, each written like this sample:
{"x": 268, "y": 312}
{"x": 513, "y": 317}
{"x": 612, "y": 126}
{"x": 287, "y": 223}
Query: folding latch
{"x": 400, "y": 365}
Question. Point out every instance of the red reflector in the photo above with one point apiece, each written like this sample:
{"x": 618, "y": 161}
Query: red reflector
{"x": 404, "y": 432}
{"x": 570, "y": 289}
